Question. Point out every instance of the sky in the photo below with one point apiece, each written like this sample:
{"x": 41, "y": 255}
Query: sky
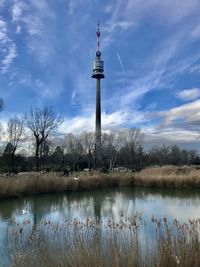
{"x": 151, "y": 53}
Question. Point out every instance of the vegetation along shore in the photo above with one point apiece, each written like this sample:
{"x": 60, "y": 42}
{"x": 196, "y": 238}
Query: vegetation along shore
{"x": 37, "y": 183}
{"x": 110, "y": 243}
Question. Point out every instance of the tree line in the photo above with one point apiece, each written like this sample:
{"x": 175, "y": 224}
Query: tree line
{"x": 27, "y": 144}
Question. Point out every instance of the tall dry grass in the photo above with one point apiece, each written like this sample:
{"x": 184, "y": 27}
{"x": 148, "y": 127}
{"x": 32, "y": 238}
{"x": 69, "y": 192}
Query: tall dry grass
{"x": 169, "y": 176}
{"x": 114, "y": 244}
{"x": 36, "y": 183}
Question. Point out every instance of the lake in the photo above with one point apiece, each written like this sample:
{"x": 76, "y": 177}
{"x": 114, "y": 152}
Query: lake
{"x": 99, "y": 205}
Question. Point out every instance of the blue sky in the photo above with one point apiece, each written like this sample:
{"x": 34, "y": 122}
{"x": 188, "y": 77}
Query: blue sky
{"x": 151, "y": 52}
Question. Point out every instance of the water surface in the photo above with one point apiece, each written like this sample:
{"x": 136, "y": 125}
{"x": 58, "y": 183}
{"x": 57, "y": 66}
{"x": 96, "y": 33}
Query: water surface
{"x": 99, "y": 205}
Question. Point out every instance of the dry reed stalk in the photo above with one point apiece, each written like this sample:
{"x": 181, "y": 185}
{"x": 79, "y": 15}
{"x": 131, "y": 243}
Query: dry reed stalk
{"x": 115, "y": 244}
{"x": 36, "y": 183}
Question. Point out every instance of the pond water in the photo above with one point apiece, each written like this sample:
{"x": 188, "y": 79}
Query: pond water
{"x": 99, "y": 205}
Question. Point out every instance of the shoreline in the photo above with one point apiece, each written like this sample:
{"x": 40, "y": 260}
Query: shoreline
{"x": 41, "y": 183}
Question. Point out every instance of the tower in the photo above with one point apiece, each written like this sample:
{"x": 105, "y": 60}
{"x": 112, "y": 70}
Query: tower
{"x": 98, "y": 74}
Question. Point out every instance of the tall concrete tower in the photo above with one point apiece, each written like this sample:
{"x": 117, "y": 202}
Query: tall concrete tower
{"x": 98, "y": 74}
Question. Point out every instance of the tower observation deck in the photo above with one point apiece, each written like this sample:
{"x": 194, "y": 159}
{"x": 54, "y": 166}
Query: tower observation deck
{"x": 98, "y": 74}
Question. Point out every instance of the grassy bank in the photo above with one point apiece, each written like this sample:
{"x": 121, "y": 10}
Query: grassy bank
{"x": 36, "y": 183}
{"x": 169, "y": 176}
{"x": 113, "y": 244}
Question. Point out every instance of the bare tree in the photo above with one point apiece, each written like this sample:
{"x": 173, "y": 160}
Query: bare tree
{"x": 58, "y": 156}
{"x": 110, "y": 146}
{"x": 44, "y": 152}
{"x": 131, "y": 142}
{"x": 74, "y": 148}
{"x": 15, "y": 130}
{"x": 88, "y": 142}
{"x": 42, "y": 123}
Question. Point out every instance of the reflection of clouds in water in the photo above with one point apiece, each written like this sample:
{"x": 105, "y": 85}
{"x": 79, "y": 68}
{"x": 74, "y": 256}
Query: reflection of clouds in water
{"x": 71, "y": 209}
{"x": 110, "y": 203}
{"x": 117, "y": 204}
{"x": 181, "y": 209}
{"x": 182, "y": 213}
{"x": 101, "y": 204}
{"x": 122, "y": 207}
{"x": 174, "y": 200}
{"x": 109, "y": 207}
{"x": 54, "y": 216}
{"x": 83, "y": 208}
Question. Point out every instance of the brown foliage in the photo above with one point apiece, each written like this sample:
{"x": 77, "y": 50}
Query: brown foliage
{"x": 36, "y": 183}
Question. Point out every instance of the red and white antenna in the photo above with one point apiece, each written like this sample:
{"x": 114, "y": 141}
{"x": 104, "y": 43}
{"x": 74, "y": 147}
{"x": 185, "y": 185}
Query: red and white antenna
{"x": 98, "y": 33}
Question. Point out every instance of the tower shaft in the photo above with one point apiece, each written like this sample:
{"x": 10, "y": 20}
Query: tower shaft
{"x": 98, "y": 114}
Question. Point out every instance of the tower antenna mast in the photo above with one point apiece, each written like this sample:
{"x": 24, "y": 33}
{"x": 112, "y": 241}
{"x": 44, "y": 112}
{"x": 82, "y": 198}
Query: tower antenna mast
{"x": 98, "y": 33}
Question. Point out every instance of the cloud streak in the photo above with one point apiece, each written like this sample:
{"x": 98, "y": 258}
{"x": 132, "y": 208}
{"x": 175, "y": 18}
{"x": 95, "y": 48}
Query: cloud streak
{"x": 8, "y": 48}
{"x": 120, "y": 62}
{"x": 189, "y": 94}
{"x": 8, "y": 60}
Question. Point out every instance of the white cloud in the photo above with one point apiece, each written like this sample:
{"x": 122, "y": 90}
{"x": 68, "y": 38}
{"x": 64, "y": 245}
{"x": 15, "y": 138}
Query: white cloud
{"x": 73, "y": 97}
{"x": 3, "y": 37}
{"x": 33, "y": 25}
{"x": 40, "y": 5}
{"x": 77, "y": 125}
{"x": 3, "y": 32}
{"x": 179, "y": 125}
{"x": 32, "y": 19}
{"x": 112, "y": 26}
{"x": 195, "y": 69}
{"x": 134, "y": 89}
{"x": 7, "y": 61}
{"x": 170, "y": 136}
{"x": 116, "y": 120}
{"x": 18, "y": 30}
{"x": 168, "y": 11}
{"x": 187, "y": 115}
{"x": 74, "y": 5}
{"x": 108, "y": 8}
{"x": 2, "y": 2}
{"x": 17, "y": 10}
{"x": 8, "y": 48}
{"x": 2, "y": 24}
{"x": 189, "y": 94}
{"x": 112, "y": 121}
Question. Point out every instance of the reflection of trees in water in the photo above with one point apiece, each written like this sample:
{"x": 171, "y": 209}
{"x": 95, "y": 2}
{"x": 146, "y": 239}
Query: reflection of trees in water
{"x": 8, "y": 207}
{"x": 97, "y": 203}
{"x": 169, "y": 195}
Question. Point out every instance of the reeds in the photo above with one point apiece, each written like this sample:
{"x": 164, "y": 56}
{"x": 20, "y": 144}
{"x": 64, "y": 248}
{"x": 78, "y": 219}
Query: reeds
{"x": 124, "y": 243}
{"x": 36, "y": 183}
{"x": 169, "y": 176}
